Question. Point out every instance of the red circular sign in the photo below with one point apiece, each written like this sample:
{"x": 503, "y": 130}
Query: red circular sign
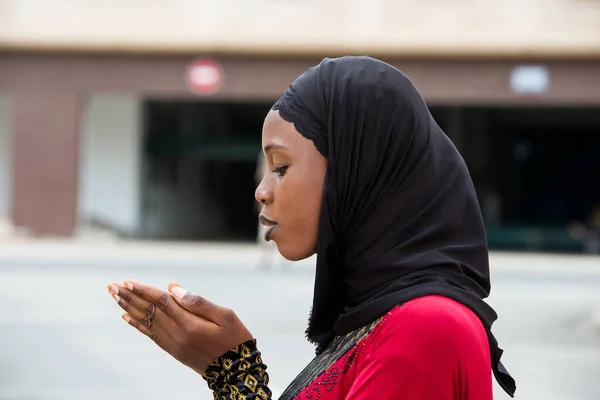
{"x": 204, "y": 77}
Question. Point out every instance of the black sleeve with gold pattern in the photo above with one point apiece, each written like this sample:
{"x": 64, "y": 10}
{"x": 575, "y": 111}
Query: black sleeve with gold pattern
{"x": 239, "y": 374}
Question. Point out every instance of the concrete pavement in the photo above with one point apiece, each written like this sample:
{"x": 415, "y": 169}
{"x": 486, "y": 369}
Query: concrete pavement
{"x": 109, "y": 252}
{"x": 205, "y": 253}
{"x": 61, "y": 336}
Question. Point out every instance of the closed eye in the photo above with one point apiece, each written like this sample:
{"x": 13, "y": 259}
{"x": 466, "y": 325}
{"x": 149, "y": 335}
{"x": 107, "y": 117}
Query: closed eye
{"x": 280, "y": 170}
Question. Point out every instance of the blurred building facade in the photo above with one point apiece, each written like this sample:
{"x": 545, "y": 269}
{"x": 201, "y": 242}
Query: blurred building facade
{"x": 104, "y": 120}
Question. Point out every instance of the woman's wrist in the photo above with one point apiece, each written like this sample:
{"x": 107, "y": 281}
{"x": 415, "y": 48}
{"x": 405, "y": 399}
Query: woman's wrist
{"x": 240, "y": 370}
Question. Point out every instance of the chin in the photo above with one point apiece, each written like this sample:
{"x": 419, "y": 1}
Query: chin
{"x": 295, "y": 253}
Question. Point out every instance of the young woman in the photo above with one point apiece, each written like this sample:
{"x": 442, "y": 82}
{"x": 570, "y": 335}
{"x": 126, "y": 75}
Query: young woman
{"x": 360, "y": 173}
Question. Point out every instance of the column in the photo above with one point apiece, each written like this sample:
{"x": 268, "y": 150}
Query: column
{"x": 5, "y": 154}
{"x": 45, "y": 159}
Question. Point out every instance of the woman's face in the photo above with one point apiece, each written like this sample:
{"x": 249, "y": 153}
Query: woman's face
{"x": 292, "y": 189}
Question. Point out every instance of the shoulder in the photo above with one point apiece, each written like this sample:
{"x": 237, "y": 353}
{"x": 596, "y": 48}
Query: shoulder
{"x": 436, "y": 339}
{"x": 432, "y": 326}
{"x": 443, "y": 314}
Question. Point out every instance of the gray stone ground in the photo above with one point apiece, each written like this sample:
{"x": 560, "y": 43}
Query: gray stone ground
{"x": 61, "y": 336}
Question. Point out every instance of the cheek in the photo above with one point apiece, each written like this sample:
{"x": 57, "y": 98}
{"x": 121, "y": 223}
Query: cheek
{"x": 301, "y": 198}
{"x": 313, "y": 204}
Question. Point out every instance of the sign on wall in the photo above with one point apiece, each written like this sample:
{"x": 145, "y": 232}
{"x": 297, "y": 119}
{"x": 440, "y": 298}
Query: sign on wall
{"x": 530, "y": 79}
{"x": 204, "y": 77}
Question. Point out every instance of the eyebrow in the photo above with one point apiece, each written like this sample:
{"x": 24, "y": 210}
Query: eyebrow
{"x": 274, "y": 146}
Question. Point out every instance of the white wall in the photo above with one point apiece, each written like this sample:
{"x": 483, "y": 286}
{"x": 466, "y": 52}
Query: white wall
{"x": 5, "y": 155}
{"x": 337, "y": 26}
{"x": 110, "y": 164}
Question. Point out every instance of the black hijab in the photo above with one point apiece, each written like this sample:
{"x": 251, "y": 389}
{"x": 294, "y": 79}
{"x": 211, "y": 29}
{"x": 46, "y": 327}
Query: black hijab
{"x": 400, "y": 217}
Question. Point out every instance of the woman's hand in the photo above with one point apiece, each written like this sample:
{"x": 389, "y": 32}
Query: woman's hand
{"x": 190, "y": 328}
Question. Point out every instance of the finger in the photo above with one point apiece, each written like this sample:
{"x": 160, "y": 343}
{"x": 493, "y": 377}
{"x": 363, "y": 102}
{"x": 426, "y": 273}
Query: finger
{"x": 152, "y": 294}
{"x": 146, "y": 317}
{"x": 142, "y": 310}
{"x": 157, "y": 335}
{"x": 127, "y": 296}
{"x": 197, "y": 305}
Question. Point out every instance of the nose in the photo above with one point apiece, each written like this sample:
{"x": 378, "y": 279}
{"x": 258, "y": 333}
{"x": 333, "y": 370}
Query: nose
{"x": 264, "y": 193}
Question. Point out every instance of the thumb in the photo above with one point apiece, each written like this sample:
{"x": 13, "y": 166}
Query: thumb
{"x": 194, "y": 303}
{"x": 181, "y": 295}
{"x": 174, "y": 284}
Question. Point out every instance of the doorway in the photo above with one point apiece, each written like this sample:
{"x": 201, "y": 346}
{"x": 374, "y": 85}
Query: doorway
{"x": 199, "y": 165}
{"x": 541, "y": 174}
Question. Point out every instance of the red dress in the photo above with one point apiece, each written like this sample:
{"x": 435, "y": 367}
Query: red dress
{"x": 430, "y": 348}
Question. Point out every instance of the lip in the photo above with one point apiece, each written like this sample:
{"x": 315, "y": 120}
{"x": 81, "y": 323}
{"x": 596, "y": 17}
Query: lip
{"x": 269, "y": 232}
{"x": 271, "y": 225}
